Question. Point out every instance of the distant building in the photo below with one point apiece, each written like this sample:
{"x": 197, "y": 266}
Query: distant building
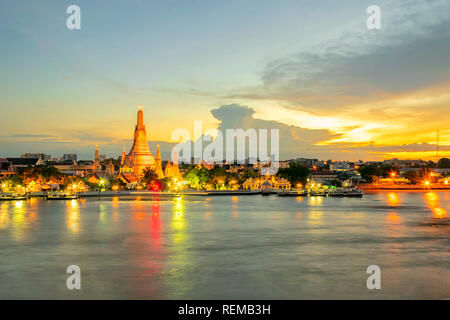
{"x": 110, "y": 171}
{"x": 310, "y": 163}
{"x": 341, "y": 166}
{"x": 42, "y": 156}
{"x": 283, "y": 164}
{"x": 396, "y": 180}
{"x": 66, "y": 167}
{"x": 70, "y": 157}
{"x": 24, "y": 162}
{"x": 442, "y": 171}
{"x": 322, "y": 176}
{"x": 6, "y": 167}
{"x": 405, "y": 163}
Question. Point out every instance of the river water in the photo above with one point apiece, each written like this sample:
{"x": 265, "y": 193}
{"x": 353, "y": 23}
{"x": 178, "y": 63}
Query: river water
{"x": 228, "y": 247}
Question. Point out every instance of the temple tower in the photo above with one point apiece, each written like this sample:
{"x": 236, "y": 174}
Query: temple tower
{"x": 124, "y": 155}
{"x": 175, "y": 170}
{"x": 110, "y": 169}
{"x": 96, "y": 160}
{"x": 158, "y": 165}
{"x": 139, "y": 156}
{"x": 168, "y": 172}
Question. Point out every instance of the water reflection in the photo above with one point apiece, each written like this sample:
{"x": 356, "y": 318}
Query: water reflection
{"x": 315, "y": 200}
{"x": 156, "y": 226}
{"x": 144, "y": 245}
{"x": 4, "y": 219}
{"x": 393, "y": 199}
{"x": 19, "y": 221}
{"x": 73, "y": 216}
{"x": 115, "y": 202}
{"x": 433, "y": 202}
{"x": 393, "y": 218}
{"x": 178, "y": 222}
{"x": 234, "y": 207}
{"x": 180, "y": 256}
{"x": 103, "y": 217}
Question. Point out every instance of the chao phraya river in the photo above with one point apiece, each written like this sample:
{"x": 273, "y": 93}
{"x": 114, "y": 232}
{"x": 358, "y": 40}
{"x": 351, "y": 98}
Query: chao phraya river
{"x": 230, "y": 247}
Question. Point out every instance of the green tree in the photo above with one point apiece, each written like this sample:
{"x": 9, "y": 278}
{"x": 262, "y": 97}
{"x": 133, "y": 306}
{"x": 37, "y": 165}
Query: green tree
{"x": 71, "y": 180}
{"x": 444, "y": 163}
{"x": 219, "y": 177}
{"x": 296, "y": 173}
{"x": 11, "y": 182}
{"x": 41, "y": 174}
{"x": 149, "y": 176}
{"x": 198, "y": 178}
{"x": 368, "y": 172}
{"x": 165, "y": 183}
{"x": 114, "y": 181}
{"x": 412, "y": 176}
{"x": 247, "y": 174}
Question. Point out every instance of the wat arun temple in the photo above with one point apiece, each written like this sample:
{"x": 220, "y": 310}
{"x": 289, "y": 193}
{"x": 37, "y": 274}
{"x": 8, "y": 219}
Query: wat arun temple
{"x": 140, "y": 157}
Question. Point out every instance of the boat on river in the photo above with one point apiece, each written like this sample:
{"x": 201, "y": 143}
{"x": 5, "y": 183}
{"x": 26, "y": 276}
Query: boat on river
{"x": 345, "y": 192}
{"x": 293, "y": 193}
{"x": 317, "y": 193}
{"x": 61, "y": 196}
{"x": 12, "y": 196}
{"x": 239, "y": 192}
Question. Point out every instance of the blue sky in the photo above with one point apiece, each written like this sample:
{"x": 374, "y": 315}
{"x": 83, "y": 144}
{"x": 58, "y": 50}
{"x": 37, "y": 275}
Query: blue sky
{"x": 312, "y": 65}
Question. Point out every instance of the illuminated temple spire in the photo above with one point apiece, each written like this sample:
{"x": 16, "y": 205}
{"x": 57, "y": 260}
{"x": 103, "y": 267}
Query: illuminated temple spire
{"x": 122, "y": 161}
{"x": 168, "y": 172}
{"x": 140, "y": 118}
{"x": 140, "y": 156}
{"x": 175, "y": 170}
{"x": 158, "y": 167}
{"x": 96, "y": 160}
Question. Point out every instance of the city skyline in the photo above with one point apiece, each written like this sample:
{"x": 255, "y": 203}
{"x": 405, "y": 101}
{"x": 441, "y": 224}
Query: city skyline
{"x": 340, "y": 92}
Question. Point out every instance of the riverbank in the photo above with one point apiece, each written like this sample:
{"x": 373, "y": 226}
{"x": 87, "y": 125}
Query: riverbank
{"x": 168, "y": 194}
{"x": 155, "y": 193}
{"x": 394, "y": 187}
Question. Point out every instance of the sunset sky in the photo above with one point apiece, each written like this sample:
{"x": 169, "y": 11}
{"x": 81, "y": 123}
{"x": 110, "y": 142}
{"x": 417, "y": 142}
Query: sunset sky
{"x": 335, "y": 89}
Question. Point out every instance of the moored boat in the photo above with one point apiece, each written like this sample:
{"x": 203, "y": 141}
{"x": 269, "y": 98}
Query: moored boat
{"x": 293, "y": 193}
{"x": 345, "y": 192}
{"x": 354, "y": 193}
{"x": 232, "y": 192}
{"x": 61, "y": 196}
{"x": 12, "y": 196}
{"x": 317, "y": 193}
